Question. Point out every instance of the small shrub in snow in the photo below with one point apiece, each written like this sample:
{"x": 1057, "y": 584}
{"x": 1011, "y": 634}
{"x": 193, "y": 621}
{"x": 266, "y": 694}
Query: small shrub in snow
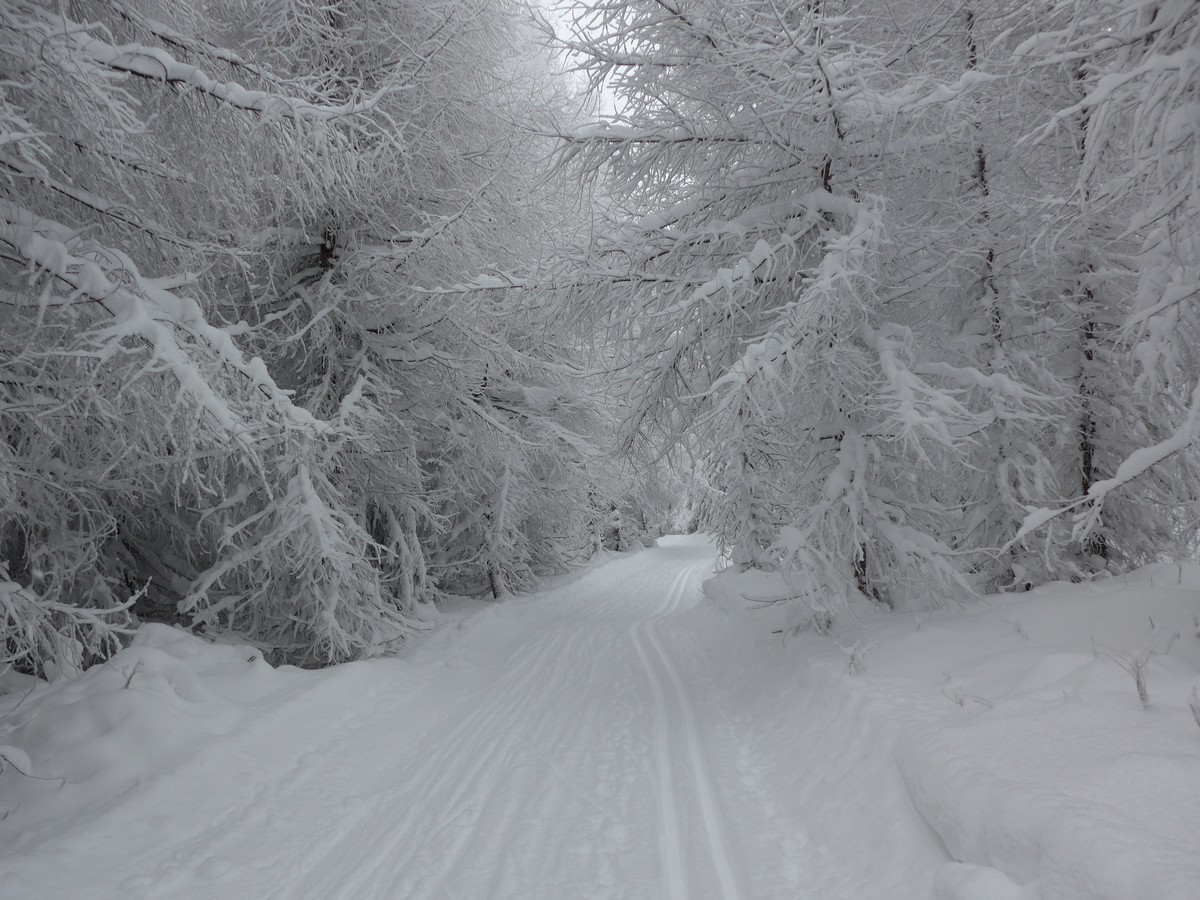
{"x": 1136, "y": 665}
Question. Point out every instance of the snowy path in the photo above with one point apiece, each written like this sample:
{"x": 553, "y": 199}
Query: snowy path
{"x": 615, "y": 738}
{"x": 675, "y": 721}
{"x": 572, "y": 744}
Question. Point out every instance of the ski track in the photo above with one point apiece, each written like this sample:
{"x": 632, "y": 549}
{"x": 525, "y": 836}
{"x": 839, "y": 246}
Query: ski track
{"x": 563, "y": 760}
{"x": 643, "y": 633}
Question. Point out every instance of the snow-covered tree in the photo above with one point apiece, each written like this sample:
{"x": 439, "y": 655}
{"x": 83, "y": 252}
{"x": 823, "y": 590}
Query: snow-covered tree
{"x": 744, "y": 276}
{"x": 225, "y": 363}
{"x": 883, "y": 300}
{"x": 1131, "y": 214}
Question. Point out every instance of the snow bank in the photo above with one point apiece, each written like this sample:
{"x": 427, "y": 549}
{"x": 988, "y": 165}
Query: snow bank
{"x": 73, "y": 747}
{"x": 805, "y": 745}
{"x": 1052, "y": 771}
{"x": 1020, "y": 732}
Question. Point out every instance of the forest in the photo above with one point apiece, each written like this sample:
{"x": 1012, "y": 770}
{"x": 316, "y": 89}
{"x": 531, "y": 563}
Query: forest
{"x": 315, "y": 314}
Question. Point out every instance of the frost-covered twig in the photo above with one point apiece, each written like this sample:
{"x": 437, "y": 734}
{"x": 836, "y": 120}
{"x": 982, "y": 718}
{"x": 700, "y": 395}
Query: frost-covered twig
{"x": 1136, "y": 665}
{"x": 143, "y": 308}
{"x": 157, "y": 64}
{"x": 855, "y": 663}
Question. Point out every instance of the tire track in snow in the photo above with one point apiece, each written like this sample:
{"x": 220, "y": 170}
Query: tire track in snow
{"x": 648, "y": 644}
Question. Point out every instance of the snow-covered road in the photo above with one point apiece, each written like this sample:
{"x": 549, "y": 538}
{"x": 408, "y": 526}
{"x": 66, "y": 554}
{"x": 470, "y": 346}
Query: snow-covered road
{"x": 616, "y": 736}
{"x": 572, "y": 744}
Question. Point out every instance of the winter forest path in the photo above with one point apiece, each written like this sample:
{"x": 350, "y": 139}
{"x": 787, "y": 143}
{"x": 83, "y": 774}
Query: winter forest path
{"x": 569, "y": 744}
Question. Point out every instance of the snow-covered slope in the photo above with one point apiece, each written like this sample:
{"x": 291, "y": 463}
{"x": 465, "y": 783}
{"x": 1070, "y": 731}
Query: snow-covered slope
{"x": 1017, "y": 726}
{"x": 620, "y": 736}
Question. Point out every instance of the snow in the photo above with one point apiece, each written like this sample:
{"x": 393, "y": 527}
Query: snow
{"x": 626, "y": 734}
{"x": 1019, "y": 732}
{"x": 156, "y": 63}
{"x": 148, "y": 311}
{"x": 88, "y": 740}
{"x": 1052, "y": 771}
{"x": 613, "y": 131}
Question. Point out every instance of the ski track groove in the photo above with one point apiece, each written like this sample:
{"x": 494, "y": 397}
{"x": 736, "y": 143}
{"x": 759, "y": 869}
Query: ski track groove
{"x": 571, "y": 744}
{"x": 674, "y": 870}
{"x": 516, "y": 692}
{"x": 446, "y": 793}
{"x": 646, "y": 632}
{"x": 496, "y": 766}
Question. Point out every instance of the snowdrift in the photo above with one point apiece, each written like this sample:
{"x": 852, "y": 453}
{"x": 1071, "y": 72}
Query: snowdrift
{"x": 70, "y": 748}
{"x": 1019, "y": 729}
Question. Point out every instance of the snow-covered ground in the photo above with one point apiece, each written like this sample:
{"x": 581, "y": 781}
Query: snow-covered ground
{"x": 621, "y": 736}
